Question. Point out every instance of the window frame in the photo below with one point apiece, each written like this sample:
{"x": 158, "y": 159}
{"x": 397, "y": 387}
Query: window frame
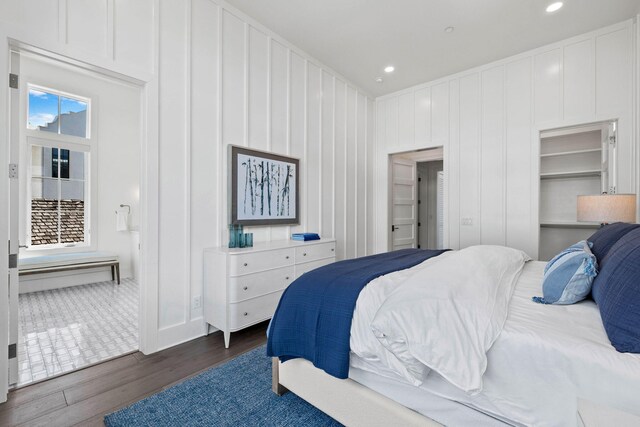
{"x": 50, "y": 143}
{"x": 87, "y": 145}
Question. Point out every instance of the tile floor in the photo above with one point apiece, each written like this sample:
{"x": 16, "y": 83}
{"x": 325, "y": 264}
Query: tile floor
{"x": 66, "y": 329}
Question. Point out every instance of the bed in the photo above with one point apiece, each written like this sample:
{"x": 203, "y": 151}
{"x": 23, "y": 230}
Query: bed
{"x": 545, "y": 364}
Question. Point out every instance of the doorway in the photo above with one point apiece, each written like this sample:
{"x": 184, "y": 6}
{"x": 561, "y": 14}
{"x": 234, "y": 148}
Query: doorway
{"x": 417, "y": 199}
{"x": 430, "y": 204}
{"x": 76, "y": 135}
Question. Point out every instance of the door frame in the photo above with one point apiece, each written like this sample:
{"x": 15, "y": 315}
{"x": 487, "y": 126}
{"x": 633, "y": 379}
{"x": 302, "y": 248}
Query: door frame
{"x": 149, "y": 185}
{"x": 4, "y": 216}
{"x": 426, "y": 154}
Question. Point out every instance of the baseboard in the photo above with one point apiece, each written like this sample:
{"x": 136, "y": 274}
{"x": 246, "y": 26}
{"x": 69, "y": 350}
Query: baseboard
{"x": 181, "y": 333}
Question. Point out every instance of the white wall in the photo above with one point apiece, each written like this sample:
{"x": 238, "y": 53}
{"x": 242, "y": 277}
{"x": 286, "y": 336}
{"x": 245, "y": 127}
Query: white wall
{"x": 116, "y": 128}
{"x": 113, "y": 34}
{"x": 488, "y": 119}
{"x": 225, "y": 79}
{"x": 212, "y": 77}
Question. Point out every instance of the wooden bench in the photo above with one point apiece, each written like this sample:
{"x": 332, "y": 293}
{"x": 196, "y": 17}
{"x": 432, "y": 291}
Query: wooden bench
{"x": 69, "y": 262}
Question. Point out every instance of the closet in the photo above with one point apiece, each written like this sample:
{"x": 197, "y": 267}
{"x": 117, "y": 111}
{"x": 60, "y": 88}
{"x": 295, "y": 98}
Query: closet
{"x": 574, "y": 161}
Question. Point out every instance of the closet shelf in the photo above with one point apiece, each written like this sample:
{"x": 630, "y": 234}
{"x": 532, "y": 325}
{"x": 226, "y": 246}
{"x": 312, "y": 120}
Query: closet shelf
{"x": 573, "y": 174}
{"x": 561, "y": 224}
{"x": 568, "y": 153}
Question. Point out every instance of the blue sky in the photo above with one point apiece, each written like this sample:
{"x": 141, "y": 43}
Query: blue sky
{"x": 43, "y": 107}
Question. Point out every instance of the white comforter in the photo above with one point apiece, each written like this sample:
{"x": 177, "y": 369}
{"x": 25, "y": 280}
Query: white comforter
{"x": 541, "y": 362}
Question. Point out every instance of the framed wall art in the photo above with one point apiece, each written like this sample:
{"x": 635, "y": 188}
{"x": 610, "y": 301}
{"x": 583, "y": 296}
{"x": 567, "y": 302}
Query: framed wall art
{"x": 264, "y": 188}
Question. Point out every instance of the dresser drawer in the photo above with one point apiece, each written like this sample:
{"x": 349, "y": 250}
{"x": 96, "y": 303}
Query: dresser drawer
{"x": 308, "y": 266}
{"x": 254, "y": 285}
{"x": 314, "y": 252}
{"x": 248, "y": 312}
{"x": 260, "y": 261}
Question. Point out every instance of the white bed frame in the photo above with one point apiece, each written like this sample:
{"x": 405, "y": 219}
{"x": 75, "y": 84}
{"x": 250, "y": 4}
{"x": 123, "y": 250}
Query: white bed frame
{"x": 346, "y": 401}
{"x": 353, "y": 404}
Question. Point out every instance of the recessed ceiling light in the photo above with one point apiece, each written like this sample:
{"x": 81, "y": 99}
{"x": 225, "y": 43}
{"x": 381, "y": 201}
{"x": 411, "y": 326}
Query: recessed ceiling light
{"x": 389, "y": 69}
{"x": 449, "y": 29}
{"x": 379, "y": 80}
{"x": 554, "y": 7}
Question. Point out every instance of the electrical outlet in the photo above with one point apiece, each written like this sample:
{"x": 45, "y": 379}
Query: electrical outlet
{"x": 197, "y": 302}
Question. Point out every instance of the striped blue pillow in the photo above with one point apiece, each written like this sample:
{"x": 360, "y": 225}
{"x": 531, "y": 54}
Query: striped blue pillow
{"x": 569, "y": 275}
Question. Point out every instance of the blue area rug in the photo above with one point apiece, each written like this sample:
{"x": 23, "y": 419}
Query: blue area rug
{"x": 237, "y": 393}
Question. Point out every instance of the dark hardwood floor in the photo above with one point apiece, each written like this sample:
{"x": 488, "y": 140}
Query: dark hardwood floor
{"x": 85, "y": 396}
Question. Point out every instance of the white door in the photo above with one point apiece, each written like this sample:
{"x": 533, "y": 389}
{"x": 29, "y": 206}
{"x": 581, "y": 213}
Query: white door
{"x": 403, "y": 204}
{"x": 14, "y": 211}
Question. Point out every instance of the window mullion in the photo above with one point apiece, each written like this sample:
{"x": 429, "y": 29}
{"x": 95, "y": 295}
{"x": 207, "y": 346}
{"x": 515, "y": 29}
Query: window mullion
{"x": 59, "y": 198}
{"x": 59, "y": 116}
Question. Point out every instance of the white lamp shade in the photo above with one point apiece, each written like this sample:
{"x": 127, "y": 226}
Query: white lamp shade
{"x": 607, "y": 208}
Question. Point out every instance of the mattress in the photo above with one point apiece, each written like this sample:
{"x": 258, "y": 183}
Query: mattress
{"x": 546, "y": 359}
{"x": 444, "y": 411}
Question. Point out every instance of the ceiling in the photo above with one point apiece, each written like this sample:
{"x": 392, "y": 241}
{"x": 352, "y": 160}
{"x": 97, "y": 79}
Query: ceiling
{"x": 358, "y": 38}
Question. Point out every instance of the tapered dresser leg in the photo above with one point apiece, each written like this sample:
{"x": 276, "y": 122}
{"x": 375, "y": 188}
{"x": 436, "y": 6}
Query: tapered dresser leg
{"x": 227, "y": 339}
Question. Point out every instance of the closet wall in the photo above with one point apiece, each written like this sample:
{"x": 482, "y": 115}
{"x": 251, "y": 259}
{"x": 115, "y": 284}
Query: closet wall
{"x": 488, "y": 119}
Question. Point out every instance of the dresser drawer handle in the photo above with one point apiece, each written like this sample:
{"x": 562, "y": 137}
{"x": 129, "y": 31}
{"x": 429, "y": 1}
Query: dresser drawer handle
{"x": 246, "y": 314}
{"x": 332, "y": 250}
{"x": 286, "y": 278}
{"x": 304, "y": 254}
{"x": 287, "y": 257}
{"x": 245, "y": 264}
{"x": 245, "y": 288}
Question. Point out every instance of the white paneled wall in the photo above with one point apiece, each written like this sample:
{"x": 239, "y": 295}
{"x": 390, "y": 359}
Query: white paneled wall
{"x": 488, "y": 118}
{"x": 114, "y": 34}
{"x": 225, "y": 80}
{"x": 214, "y": 78}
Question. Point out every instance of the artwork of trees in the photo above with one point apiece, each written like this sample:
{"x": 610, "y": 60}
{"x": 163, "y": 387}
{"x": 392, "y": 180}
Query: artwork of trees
{"x": 266, "y": 188}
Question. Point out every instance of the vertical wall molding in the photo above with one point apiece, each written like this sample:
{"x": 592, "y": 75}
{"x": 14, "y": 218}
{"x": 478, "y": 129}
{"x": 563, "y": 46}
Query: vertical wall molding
{"x": 333, "y": 156}
{"x": 62, "y": 22}
{"x": 220, "y": 214}
{"x": 289, "y": 72}
{"x": 247, "y": 104}
{"x": 304, "y": 195}
{"x": 111, "y": 30}
{"x": 366, "y": 170}
{"x": 346, "y": 158}
{"x": 268, "y": 106}
{"x": 187, "y": 152}
{"x": 355, "y": 168}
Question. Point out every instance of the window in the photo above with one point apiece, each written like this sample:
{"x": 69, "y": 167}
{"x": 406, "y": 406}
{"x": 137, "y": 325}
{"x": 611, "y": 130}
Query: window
{"x": 58, "y": 174}
{"x": 57, "y": 113}
{"x": 58, "y": 185}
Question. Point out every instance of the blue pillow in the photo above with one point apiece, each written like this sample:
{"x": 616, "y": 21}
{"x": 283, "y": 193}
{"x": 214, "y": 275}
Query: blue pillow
{"x": 607, "y": 236}
{"x": 616, "y": 290}
{"x": 569, "y": 275}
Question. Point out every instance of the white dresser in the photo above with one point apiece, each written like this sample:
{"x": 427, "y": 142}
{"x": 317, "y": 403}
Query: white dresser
{"x": 242, "y": 286}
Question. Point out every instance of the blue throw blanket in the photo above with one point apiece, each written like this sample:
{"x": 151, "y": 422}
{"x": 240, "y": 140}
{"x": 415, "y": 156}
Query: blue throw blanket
{"x": 313, "y": 319}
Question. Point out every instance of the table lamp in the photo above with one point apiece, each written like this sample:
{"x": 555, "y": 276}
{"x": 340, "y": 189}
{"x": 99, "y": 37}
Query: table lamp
{"x": 607, "y": 208}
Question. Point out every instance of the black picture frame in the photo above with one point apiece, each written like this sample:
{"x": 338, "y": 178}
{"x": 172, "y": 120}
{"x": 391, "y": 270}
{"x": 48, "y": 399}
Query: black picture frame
{"x": 273, "y": 168}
